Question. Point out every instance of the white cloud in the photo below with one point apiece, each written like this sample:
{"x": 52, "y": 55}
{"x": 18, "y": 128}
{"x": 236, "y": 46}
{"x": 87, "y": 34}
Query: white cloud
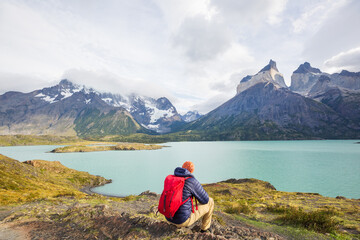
{"x": 105, "y": 81}
{"x": 210, "y": 104}
{"x": 349, "y": 60}
{"x": 336, "y": 34}
{"x": 202, "y": 39}
{"x": 22, "y": 83}
{"x": 316, "y": 14}
{"x": 175, "y": 12}
{"x": 251, "y": 13}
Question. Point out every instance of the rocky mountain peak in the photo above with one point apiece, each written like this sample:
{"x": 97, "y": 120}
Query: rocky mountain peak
{"x": 324, "y": 78}
{"x": 191, "y": 116}
{"x": 65, "y": 82}
{"x": 271, "y": 65}
{"x": 268, "y": 74}
{"x": 247, "y": 78}
{"x": 306, "y": 68}
{"x": 349, "y": 74}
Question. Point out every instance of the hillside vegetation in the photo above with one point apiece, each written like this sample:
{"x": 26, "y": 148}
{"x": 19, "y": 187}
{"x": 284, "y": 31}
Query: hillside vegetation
{"x": 44, "y": 198}
{"x": 23, "y": 140}
{"x": 96, "y": 148}
{"x": 38, "y": 179}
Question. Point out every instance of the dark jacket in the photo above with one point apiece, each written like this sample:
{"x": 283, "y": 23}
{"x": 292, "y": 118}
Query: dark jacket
{"x": 192, "y": 187}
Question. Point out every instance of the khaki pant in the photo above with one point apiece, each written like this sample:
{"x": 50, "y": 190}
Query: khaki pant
{"x": 205, "y": 211}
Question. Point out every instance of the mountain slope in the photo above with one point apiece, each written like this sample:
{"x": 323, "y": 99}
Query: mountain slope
{"x": 154, "y": 114}
{"x": 265, "y": 110}
{"x": 269, "y": 74}
{"x": 65, "y": 109}
{"x": 339, "y": 91}
{"x": 38, "y": 179}
{"x": 191, "y": 116}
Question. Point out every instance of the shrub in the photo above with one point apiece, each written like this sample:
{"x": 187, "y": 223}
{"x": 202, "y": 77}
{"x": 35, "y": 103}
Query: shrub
{"x": 238, "y": 207}
{"x": 280, "y": 208}
{"x": 320, "y": 220}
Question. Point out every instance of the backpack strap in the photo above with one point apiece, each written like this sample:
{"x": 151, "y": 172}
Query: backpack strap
{"x": 191, "y": 199}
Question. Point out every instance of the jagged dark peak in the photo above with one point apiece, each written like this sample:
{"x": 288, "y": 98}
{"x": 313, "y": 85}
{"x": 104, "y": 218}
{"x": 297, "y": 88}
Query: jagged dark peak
{"x": 163, "y": 103}
{"x": 271, "y": 65}
{"x": 65, "y": 82}
{"x": 247, "y": 78}
{"x": 349, "y": 74}
{"x": 324, "y": 78}
{"x": 163, "y": 100}
{"x": 306, "y": 68}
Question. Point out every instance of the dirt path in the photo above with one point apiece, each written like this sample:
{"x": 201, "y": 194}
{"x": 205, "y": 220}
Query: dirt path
{"x": 10, "y": 231}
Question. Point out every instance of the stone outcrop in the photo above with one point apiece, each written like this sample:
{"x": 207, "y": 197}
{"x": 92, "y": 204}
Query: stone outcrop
{"x": 269, "y": 74}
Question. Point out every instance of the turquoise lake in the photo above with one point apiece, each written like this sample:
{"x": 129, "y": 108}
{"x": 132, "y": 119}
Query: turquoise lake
{"x": 328, "y": 167}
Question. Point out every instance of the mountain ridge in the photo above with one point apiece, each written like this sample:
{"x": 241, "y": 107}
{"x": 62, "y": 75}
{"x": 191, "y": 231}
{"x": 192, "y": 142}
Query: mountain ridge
{"x": 263, "y": 109}
{"x": 318, "y": 105}
{"x": 60, "y": 109}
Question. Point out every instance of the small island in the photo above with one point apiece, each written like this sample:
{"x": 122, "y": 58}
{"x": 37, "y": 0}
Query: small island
{"x": 96, "y": 148}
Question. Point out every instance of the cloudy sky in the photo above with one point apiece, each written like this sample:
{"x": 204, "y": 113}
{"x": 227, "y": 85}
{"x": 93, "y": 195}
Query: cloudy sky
{"x": 194, "y": 52}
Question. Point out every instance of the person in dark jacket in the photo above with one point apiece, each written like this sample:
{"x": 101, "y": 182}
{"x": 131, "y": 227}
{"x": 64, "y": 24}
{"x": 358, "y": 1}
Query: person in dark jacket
{"x": 184, "y": 216}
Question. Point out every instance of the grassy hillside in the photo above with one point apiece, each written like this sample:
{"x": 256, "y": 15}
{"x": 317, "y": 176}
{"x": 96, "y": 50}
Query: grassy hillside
{"x": 258, "y": 202}
{"x": 38, "y": 179}
{"x": 22, "y": 140}
{"x": 92, "y": 122}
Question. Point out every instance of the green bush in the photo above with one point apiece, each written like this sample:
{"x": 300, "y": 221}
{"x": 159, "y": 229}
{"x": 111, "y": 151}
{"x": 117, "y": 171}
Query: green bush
{"x": 320, "y": 220}
{"x": 238, "y": 207}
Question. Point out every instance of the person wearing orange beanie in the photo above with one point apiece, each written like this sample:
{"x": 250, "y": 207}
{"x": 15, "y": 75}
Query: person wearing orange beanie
{"x": 187, "y": 214}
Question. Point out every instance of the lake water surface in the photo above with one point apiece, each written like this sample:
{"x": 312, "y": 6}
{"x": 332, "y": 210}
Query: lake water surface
{"x": 328, "y": 167}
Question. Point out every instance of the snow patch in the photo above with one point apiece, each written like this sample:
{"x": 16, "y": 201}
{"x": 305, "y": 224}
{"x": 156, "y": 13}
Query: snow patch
{"x": 153, "y": 126}
{"x": 156, "y": 114}
{"x": 49, "y": 99}
{"x": 107, "y": 100}
{"x": 87, "y": 101}
{"x": 40, "y": 95}
{"x": 66, "y": 93}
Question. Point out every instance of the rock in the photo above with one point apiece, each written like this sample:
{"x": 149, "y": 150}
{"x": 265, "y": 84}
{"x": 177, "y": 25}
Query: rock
{"x": 148, "y": 193}
{"x": 340, "y": 197}
{"x": 249, "y": 180}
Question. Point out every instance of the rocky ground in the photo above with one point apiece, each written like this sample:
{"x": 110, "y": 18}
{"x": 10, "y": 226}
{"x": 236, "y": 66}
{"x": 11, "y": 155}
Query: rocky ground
{"x": 128, "y": 219}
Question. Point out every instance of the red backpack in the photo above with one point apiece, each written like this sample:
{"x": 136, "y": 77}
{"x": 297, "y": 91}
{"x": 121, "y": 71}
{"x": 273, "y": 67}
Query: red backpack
{"x": 171, "y": 197}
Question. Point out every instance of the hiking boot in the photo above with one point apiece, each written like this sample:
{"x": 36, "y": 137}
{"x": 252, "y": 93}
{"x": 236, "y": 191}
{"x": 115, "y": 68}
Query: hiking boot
{"x": 209, "y": 230}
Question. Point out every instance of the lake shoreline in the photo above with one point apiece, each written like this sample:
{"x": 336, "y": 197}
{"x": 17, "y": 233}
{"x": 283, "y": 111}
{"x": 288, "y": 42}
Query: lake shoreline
{"x": 88, "y": 190}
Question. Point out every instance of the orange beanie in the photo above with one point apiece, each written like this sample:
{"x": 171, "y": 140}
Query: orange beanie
{"x": 189, "y": 166}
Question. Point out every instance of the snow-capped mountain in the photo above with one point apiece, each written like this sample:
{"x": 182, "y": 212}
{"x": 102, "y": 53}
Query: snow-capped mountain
{"x": 154, "y": 114}
{"x": 64, "y": 109}
{"x": 63, "y": 90}
{"x": 191, "y": 116}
